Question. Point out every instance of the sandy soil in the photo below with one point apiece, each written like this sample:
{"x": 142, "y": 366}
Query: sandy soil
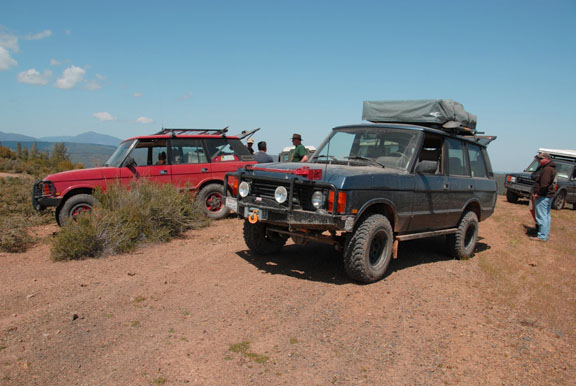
{"x": 203, "y": 310}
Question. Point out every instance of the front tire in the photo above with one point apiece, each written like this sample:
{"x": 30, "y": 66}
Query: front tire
{"x": 211, "y": 199}
{"x": 260, "y": 241}
{"x": 74, "y": 206}
{"x": 463, "y": 243}
{"x": 369, "y": 250}
{"x": 511, "y": 196}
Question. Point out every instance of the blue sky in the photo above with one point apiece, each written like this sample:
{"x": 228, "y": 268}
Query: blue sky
{"x": 125, "y": 68}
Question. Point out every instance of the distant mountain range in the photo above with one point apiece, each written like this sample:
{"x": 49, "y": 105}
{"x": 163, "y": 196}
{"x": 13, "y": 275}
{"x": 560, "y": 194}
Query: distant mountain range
{"x": 88, "y": 137}
{"x": 91, "y": 149}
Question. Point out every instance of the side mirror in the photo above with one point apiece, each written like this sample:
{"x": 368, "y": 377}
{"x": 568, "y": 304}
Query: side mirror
{"x": 129, "y": 162}
{"x": 426, "y": 167}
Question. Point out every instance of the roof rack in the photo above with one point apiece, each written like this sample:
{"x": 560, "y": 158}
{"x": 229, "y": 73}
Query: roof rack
{"x": 176, "y": 132}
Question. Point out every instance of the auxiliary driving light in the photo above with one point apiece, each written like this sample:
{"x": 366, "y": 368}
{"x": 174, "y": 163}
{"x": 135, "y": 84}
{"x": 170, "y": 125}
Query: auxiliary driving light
{"x": 243, "y": 189}
{"x": 281, "y": 194}
{"x": 318, "y": 199}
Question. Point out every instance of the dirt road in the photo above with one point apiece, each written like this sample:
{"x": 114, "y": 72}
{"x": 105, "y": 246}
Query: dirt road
{"x": 202, "y": 310}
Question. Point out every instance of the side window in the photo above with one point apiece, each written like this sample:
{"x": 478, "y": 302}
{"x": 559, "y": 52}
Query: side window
{"x": 227, "y": 149}
{"x": 188, "y": 151}
{"x": 563, "y": 170}
{"x": 477, "y": 165}
{"x": 150, "y": 152}
{"x": 457, "y": 165}
{"x": 432, "y": 150}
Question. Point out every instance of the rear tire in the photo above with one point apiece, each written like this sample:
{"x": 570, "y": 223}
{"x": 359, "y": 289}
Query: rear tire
{"x": 463, "y": 243}
{"x": 559, "y": 200}
{"x": 211, "y": 199}
{"x": 511, "y": 197}
{"x": 260, "y": 241}
{"x": 74, "y": 206}
{"x": 369, "y": 250}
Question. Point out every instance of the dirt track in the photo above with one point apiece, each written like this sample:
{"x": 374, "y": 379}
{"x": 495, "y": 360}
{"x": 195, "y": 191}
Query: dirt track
{"x": 203, "y": 310}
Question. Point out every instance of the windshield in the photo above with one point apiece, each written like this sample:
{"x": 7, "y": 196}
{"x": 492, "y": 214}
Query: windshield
{"x": 374, "y": 146}
{"x": 120, "y": 153}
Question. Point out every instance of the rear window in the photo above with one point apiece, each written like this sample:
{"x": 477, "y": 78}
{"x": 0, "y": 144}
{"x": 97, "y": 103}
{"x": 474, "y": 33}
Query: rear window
{"x": 226, "y": 150}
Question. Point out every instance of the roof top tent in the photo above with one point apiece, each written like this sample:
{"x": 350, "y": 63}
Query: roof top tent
{"x": 559, "y": 153}
{"x": 443, "y": 114}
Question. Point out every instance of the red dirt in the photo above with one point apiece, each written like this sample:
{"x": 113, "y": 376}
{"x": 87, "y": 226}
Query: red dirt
{"x": 203, "y": 310}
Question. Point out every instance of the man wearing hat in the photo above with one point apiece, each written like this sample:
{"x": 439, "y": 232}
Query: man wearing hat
{"x": 249, "y": 144}
{"x": 300, "y": 154}
{"x": 543, "y": 191}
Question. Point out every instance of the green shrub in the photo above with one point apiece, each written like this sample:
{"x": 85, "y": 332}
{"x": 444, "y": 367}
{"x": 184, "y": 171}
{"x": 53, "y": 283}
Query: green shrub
{"x": 123, "y": 218}
{"x": 13, "y": 235}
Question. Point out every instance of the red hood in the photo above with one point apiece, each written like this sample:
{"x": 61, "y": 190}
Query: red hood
{"x": 81, "y": 174}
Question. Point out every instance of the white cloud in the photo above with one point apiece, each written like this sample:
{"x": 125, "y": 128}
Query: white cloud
{"x": 32, "y": 76}
{"x": 38, "y": 36}
{"x": 55, "y": 62}
{"x": 71, "y": 77}
{"x": 144, "y": 120}
{"x": 93, "y": 85}
{"x": 9, "y": 42}
{"x": 138, "y": 94}
{"x": 188, "y": 95}
{"x": 6, "y": 61}
{"x": 100, "y": 76}
{"x": 104, "y": 116}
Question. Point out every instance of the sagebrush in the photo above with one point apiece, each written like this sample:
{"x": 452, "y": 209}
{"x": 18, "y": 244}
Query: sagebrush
{"x": 124, "y": 218}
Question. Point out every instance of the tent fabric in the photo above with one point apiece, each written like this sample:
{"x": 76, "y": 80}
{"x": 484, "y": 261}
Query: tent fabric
{"x": 441, "y": 113}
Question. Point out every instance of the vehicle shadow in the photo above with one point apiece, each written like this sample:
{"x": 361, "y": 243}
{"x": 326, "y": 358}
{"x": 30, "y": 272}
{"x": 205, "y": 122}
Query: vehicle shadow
{"x": 322, "y": 263}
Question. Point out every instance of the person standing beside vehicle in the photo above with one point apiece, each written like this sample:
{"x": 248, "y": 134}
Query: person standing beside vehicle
{"x": 543, "y": 192}
{"x": 300, "y": 154}
{"x": 250, "y": 144}
{"x": 261, "y": 156}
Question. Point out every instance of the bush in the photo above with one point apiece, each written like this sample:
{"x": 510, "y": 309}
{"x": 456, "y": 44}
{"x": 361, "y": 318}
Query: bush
{"x": 13, "y": 235}
{"x": 123, "y": 218}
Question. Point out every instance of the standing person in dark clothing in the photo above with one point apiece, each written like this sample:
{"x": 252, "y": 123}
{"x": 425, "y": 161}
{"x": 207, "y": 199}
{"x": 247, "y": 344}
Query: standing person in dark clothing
{"x": 261, "y": 156}
{"x": 250, "y": 144}
{"x": 300, "y": 154}
{"x": 544, "y": 188}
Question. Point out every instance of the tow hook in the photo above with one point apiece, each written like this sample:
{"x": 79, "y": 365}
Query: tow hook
{"x": 253, "y": 218}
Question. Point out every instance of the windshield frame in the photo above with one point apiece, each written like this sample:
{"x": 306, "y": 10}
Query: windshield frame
{"x": 380, "y": 136}
{"x": 117, "y": 158}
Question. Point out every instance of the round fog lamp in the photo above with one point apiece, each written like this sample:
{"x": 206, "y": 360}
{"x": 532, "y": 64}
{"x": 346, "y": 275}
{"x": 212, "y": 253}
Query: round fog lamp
{"x": 244, "y": 189}
{"x": 280, "y": 194}
{"x": 317, "y": 199}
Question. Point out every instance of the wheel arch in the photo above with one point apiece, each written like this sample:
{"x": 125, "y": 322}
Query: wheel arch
{"x": 73, "y": 192}
{"x": 473, "y": 206}
{"x": 383, "y": 207}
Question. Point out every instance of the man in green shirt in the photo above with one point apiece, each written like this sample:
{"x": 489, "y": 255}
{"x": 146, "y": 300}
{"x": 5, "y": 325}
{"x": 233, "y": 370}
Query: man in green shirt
{"x": 300, "y": 154}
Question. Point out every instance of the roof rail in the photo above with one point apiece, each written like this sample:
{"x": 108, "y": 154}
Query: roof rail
{"x": 176, "y": 132}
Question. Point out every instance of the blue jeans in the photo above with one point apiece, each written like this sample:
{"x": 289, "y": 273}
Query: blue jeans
{"x": 542, "y": 207}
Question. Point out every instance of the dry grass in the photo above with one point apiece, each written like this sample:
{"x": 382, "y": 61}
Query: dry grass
{"x": 537, "y": 278}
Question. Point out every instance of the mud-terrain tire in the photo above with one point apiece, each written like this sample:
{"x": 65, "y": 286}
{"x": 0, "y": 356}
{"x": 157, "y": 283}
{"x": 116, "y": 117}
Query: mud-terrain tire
{"x": 369, "y": 250}
{"x": 559, "y": 200}
{"x": 211, "y": 200}
{"x": 511, "y": 196}
{"x": 73, "y": 206}
{"x": 260, "y": 241}
{"x": 463, "y": 243}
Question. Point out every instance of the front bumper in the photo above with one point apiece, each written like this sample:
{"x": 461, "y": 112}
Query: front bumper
{"x": 293, "y": 219}
{"x": 41, "y": 200}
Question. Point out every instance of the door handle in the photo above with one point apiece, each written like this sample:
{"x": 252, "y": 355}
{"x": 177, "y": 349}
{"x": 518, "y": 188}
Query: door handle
{"x": 470, "y": 187}
{"x": 204, "y": 170}
{"x": 446, "y": 186}
{"x": 163, "y": 171}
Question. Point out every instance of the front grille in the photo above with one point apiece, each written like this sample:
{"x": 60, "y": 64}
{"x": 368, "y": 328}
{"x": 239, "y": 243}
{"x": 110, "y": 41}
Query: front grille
{"x": 301, "y": 198}
{"x": 524, "y": 181}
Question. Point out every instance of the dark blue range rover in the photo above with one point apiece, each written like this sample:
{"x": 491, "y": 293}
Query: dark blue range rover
{"x": 368, "y": 187}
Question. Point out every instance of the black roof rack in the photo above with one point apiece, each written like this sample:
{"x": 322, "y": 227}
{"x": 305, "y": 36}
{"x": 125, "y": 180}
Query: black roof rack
{"x": 176, "y": 132}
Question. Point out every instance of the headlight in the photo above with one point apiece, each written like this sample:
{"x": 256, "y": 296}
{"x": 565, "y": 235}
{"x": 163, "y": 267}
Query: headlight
{"x": 318, "y": 199}
{"x": 512, "y": 179}
{"x": 280, "y": 194}
{"x": 244, "y": 189}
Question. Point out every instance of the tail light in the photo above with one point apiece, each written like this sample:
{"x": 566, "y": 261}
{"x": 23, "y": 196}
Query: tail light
{"x": 341, "y": 208}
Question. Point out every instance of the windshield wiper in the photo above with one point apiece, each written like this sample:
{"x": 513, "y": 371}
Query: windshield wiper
{"x": 370, "y": 160}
